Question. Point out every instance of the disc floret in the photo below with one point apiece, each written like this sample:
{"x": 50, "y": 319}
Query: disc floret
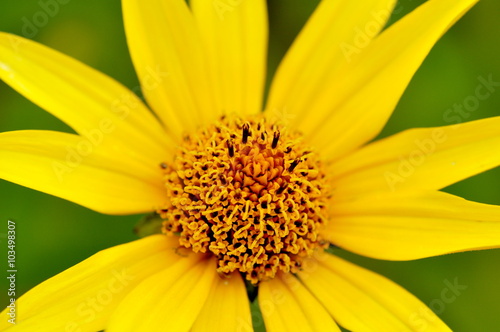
{"x": 250, "y": 193}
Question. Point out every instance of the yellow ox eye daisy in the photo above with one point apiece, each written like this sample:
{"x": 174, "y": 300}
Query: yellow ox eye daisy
{"x": 250, "y": 196}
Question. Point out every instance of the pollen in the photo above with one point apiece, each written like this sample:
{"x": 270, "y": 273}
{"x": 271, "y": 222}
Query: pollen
{"x": 249, "y": 192}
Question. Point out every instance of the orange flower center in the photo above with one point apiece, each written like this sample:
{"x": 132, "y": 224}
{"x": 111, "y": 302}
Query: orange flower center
{"x": 250, "y": 193}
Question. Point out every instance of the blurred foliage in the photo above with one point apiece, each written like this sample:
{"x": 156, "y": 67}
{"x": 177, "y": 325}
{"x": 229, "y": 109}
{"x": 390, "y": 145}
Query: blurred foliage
{"x": 53, "y": 234}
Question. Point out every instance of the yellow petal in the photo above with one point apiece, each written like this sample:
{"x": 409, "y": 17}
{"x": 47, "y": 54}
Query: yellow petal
{"x": 169, "y": 59}
{"x": 363, "y": 96}
{"x": 361, "y": 300}
{"x": 398, "y": 227}
{"x": 91, "y": 103}
{"x": 322, "y": 50}
{"x": 71, "y": 167}
{"x": 420, "y": 159}
{"x": 227, "y": 307}
{"x": 234, "y": 34}
{"x": 287, "y": 305}
{"x": 167, "y": 301}
{"x": 83, "y": 297}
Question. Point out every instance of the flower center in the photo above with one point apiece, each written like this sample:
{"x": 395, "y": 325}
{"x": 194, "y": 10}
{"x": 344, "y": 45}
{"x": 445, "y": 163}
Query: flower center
{"x": 250, "y": 193}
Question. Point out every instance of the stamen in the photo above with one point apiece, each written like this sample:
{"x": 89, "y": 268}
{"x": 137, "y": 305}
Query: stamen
{"x": 293, "y": 165}
{"x": 276, "y": 138}
{"x": 246, "y": 133}
{"x": 230, "y": 148}
{"x": 281, "y": 189}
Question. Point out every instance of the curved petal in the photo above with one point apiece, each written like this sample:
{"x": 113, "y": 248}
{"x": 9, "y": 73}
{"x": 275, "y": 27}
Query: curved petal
{"x": 91, "y": 103}
{"x": 420, "y": 159}
{"x": 234, "y": 35}
{"x": 361, "y": 100}
{"x": 397, "y": 227}
{"x": 169, "y": 59}
{"x": 287, "y": 305}
{"x": 167, "y": 301}
{"x": 322, "y": 50}
{"x": 73, "y": 168}
{"x": 361, "y": 300}
{"x": 227, "y": 307}
{"x": 83, "y": 296}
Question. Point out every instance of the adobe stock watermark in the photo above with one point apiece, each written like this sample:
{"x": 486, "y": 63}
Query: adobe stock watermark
{"x": 425, "y": 147}
{"x": 222, "y": 7}
{"x": 48, "y": 9}
{"x": 89, "y": 309}
{"x": 424, "y": 317}
{"x": 281, "y": 116}
{"x": 76, "y": 154}
{"x": 408, "y": 164}
{"x": 269, "y": 306}
{"x": 11, "y": 272}
{"x": 364, "y": 34}
{"x": 462, "y": 110}
{"x": 92, "y": 138}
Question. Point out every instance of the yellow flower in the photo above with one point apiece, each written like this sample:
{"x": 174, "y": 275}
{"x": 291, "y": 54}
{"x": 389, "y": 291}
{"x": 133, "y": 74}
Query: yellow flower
{"x": 245, "y": 194}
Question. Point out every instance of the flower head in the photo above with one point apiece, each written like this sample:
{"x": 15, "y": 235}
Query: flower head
{"x": 251, "y": 194}
{"x": 248, "y": 199}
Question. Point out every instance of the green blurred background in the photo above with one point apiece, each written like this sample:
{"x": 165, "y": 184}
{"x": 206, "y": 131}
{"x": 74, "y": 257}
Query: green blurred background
{"x": 53, "y": 234}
